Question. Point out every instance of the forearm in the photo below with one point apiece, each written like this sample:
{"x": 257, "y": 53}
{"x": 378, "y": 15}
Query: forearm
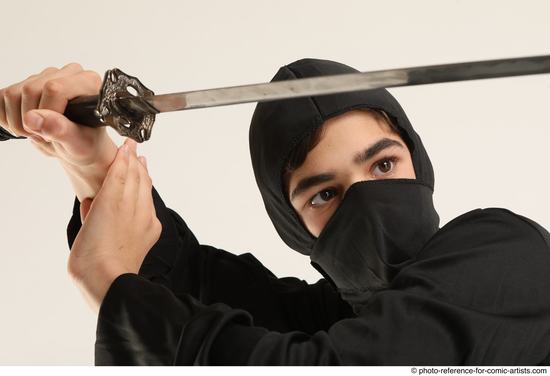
{"x": 143, "y": 323}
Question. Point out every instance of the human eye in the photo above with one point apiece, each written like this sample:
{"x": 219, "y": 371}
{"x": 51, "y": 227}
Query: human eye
{"x": 384, "y": 166}
{"x": 322, "y": 197}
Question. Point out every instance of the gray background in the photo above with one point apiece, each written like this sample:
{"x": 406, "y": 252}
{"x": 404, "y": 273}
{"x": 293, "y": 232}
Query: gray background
{"x": 488, "y": 140}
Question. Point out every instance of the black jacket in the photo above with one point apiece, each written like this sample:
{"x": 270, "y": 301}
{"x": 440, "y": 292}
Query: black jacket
{"x": 481, "y": 301}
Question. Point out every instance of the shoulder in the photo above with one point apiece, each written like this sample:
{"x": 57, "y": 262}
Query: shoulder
{"x": 492, "y": 227}
{"x": 536, "y": 227}
{"x": 491, "y": 259}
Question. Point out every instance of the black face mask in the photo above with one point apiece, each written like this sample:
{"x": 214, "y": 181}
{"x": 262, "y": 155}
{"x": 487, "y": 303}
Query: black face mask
{"x": 378, "y": 229}
{"x": 381, "y": 225}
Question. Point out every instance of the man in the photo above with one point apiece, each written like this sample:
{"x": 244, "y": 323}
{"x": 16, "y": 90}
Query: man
{"x": 346, "y": 180}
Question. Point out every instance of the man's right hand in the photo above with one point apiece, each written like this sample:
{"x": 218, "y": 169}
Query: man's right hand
{"x": 34, "y": 108}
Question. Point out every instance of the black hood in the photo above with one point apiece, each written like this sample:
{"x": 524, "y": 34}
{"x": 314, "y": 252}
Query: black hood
{"x": 277, "y": 127}
{"x": 380, "y": 225}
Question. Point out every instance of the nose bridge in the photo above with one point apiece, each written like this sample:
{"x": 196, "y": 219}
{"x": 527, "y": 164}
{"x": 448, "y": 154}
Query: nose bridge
{"x": 358, "y": 174}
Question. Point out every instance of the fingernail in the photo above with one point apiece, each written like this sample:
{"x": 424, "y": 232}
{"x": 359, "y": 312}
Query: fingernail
{"x": 34, "y": 121}
{"x": 143, "y": 161}
{"x": 124, "y": 149}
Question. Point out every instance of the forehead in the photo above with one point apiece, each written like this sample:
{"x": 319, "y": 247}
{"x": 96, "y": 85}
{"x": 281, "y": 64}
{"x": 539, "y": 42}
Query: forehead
{"x": 342, "y": 137}
{"x": 354, "y": 125}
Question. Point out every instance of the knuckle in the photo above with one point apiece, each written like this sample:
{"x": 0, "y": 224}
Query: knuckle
{"x": 120, "y": 178}
{"x": 135, "y": 179}
{"x": 29, "y": 89}
{"x": 31, "y": 77}
{"x": 73, "y": 66}
{"x": 92, "y": 75}
{"x": 12, "y": 92}
{"x": 57, "y": 129}
{"x": 49, "y": 70}
{"x": 53, "y": 87}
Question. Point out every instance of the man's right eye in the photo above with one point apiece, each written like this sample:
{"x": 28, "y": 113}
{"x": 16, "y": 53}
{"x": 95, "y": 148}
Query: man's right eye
{"x": 322, "y": 197}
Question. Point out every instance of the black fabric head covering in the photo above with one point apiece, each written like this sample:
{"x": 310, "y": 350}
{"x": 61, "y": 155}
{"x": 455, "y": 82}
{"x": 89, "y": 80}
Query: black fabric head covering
{"x": 278, "y": 126}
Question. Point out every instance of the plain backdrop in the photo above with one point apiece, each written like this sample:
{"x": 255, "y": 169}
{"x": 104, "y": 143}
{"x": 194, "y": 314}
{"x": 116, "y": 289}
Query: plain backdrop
{"x": 488, "y": 139}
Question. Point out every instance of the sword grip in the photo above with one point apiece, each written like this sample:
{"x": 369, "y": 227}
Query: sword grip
{"x": 134, "y": 119}
{"x": 82, "y": 110}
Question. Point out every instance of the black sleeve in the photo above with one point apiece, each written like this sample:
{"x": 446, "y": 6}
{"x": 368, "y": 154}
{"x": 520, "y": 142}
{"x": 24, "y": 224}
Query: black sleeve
{"x": 5, "y": 135}
{"x": 142, "y": 323}
{"x": 478, "y": 301}
{"x": 545, "y": 235}
{"x": 210, "y": 275}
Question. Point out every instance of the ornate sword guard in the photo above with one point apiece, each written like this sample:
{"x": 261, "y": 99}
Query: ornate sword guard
{"x": 134, "y": 121}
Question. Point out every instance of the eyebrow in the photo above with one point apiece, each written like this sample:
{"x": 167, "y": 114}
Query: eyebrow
{"x": 372, "y": 150}
{"x": 359, "y": 158}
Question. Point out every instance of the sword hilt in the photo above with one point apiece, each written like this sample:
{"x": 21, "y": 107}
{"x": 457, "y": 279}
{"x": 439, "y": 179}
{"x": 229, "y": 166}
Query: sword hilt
{"x": 81, "y": 110}
{"x": 133, "y": 119}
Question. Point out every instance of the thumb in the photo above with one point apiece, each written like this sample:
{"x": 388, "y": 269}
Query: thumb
{"x": 52, "y": 126}
{"x": 85, "y": 209}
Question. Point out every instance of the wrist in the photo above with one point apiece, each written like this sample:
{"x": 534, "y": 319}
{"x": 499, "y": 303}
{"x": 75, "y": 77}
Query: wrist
{"x": 87, "y": 179}
{"x": 94, "y": 281}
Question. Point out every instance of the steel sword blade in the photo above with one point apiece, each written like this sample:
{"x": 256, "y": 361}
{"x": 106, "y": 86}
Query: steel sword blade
{"x": 324, "y": 85}
{"x": 134, "y": 115}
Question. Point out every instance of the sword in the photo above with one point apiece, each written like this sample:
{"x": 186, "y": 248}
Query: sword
{"x": 126, "y": 105}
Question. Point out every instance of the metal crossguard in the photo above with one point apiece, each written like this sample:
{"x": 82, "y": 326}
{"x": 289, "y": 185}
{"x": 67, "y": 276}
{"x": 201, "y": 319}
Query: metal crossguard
{"x": 134, "y": 120}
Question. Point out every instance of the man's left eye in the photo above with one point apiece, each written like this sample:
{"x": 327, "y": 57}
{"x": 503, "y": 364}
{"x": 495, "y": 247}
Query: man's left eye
{"x": 383, "y": 167}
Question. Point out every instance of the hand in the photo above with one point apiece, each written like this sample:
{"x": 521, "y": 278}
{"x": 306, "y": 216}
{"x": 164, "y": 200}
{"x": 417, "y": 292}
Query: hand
{"x": 119, "y": 227}
{"x": 33, "y": 108}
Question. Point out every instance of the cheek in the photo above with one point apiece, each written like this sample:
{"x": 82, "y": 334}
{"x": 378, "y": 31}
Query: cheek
{"x": 316, "y": 221}
{"x": 406, "y": 168}
{"x": 410, "y": 170}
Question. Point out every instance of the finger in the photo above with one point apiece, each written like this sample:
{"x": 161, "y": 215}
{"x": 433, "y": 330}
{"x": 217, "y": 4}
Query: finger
{"x": 3, "y": 109}
{"x": 85, "y": 209}
{"x": 32, "y": 89}
{"x": 146, "y": 184}
{"x": 143, "y": 161}
{"x": 3, "y": 113}
{"x": 35, "y": 136}
{"x": 11, "y": 103}
{"x": 131, "y": 192}
{"x": 116, "y": 179}
{"x": 52, "y": 126}
{"x": 44, "y": 147}
{"x": 38, "y": 139}
{"x": 131, "y": 144}
{"x": 133, "y": 172}
{"x": 146, "y": 209}
{"x": 58, "y": 91}
{"x": 3, "y": 119}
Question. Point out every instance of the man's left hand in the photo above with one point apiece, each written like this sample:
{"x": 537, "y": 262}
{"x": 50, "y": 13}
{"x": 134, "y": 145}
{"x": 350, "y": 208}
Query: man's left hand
{"x": 119, "y": 227}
